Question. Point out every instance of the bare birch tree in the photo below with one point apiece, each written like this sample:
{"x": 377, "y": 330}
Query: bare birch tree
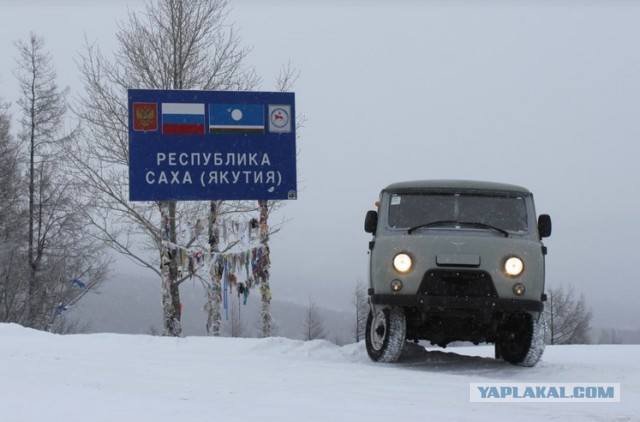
{"x": 568, "y": 318}
{"x": 63, "y": 261}
{"x": 173, "y": 44}
{"x": 312, "y": 327}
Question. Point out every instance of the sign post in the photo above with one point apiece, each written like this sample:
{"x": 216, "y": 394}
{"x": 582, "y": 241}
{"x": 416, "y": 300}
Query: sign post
{"x": 211, "y": 145}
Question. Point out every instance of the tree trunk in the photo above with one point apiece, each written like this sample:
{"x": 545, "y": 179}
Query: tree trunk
{"x": 169, "y": 253}
{"x": 265, "y": 290}
{"x": 33, "y": 265}
{"x": 214, "y": 294}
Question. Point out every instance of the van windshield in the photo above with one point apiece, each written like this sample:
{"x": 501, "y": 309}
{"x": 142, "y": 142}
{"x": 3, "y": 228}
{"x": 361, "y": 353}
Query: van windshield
{"x": 409, "y": 210}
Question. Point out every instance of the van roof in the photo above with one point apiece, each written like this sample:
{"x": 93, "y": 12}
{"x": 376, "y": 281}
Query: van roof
{"x": 456, "y": 185}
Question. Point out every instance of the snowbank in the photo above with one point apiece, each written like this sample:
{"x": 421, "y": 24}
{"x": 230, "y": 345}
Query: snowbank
{"x": 107, "y": 377}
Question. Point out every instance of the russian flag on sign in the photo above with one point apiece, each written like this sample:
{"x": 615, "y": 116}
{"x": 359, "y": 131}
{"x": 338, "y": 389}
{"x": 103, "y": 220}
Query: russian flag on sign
{"x": 236, "y": 118}
{"x": 183, "y": 119}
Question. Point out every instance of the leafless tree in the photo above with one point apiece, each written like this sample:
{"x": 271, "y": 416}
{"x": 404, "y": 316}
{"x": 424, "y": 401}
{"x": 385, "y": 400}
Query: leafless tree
{"x": 9, "y": 172}
{"x": 361, "y": 302}
{"x": 12, "y": 218}
{"x": 10, "y": 186}
{"x": 60, "y": 259}
{"x": 568, "y": 318}
{"x": 312, "y": 326}
{"x": 173, "y": 44}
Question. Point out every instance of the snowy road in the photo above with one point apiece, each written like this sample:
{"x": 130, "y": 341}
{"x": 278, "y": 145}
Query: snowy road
{"x": 107, "y": 377}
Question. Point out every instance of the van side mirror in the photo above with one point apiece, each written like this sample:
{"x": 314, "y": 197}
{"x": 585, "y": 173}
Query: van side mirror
{"x": 544, "y": 225}
{"x": 371, "y": 222}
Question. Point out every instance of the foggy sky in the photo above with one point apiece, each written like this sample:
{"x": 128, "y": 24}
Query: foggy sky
{"x": 540, "y": 94}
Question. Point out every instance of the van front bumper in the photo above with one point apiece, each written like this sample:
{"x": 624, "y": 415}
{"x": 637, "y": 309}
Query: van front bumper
{"x": 446, "y": 303}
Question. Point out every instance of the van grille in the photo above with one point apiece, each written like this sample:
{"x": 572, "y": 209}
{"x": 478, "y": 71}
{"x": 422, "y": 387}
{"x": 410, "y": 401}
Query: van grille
{"x": 457, "y": 283}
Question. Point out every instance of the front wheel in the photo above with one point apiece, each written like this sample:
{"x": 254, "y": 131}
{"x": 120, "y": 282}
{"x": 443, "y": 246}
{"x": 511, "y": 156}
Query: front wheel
{"x": 522, "y": 342}
{"x": 386, "y": 334}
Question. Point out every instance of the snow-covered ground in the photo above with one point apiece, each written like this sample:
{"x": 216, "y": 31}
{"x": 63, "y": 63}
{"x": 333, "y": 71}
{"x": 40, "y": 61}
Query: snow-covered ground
{"x": 116, "y": 377}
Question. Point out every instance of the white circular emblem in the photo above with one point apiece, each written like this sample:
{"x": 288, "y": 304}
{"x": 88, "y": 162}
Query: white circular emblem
{"x": 279, "y": 117}
{"x": 236, "y": 114}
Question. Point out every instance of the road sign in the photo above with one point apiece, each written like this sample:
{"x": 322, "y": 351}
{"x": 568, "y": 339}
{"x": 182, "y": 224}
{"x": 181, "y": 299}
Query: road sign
{"x": 204, "y": 145}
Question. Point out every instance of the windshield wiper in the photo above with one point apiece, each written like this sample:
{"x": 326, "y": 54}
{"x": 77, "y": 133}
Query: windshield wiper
{"x": 459, "y": 223}
{"x": 485, "y": 226}
{"x": 432, "y": 224}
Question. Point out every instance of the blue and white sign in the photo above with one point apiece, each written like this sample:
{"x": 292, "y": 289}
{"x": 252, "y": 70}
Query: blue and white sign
{"x": 205, "y": 145}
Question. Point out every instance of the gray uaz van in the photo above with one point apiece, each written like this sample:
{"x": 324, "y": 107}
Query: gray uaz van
{"x": 457, "y": 260}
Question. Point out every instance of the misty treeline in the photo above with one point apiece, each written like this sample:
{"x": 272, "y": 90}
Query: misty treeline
{"x": 65, "y": 191}
{"x": 617, "y": 335}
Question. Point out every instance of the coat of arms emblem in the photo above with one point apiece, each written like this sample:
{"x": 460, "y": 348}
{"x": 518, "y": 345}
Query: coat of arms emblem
{"x": 145, "y": 116}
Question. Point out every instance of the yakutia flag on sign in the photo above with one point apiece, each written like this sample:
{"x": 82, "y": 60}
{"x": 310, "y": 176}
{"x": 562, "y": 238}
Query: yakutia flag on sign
{"x": 236, "y": 118}
{"x": 183, "y": 118}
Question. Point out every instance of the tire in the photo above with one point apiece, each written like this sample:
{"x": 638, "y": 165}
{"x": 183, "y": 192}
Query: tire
{"x": 386, "y": 334}
{"x": 522, "y": 342}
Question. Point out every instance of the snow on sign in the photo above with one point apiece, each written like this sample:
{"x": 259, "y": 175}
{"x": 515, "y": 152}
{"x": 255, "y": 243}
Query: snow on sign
{"x": 204, "y": 145}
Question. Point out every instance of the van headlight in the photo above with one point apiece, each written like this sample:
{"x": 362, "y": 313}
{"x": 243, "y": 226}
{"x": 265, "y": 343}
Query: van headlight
{"x": 402, "y": 263}
{"x": 513, "y": 266}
